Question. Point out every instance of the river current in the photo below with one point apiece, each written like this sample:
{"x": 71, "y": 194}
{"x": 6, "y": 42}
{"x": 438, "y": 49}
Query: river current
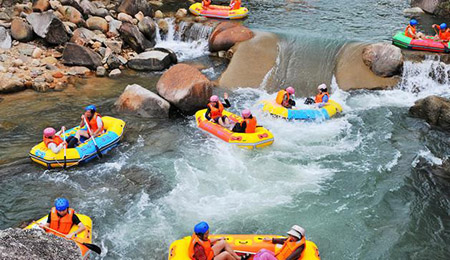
{"x": 360, "y": 184}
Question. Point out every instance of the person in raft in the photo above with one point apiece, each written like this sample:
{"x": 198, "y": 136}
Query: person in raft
{"x": 202, "y": 248}
{"x": 442, "y": 33}
{"x": 53, "y": 139}
{"x": 95, "y": 123}
{"x": 322, "y": 97}
{"x": 235, "y": 4}
{"x": 215, "y": 109}
{"x": 285, "y": 97}
{"x": 292, "y": 248}
{"x": 410, "y": 30}
{"x": 206, "y": 3}
{"x": 61, "y": 218}
{"x": 248, "y": 125}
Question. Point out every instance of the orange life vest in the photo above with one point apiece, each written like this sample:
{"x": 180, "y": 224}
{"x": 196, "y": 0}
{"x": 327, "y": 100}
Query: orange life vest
{"x": 235, "y": 4}
{"x": 281, "y": 96}
{"x": 215, "y": 112}
{"x": 288, "y": 248}
{"x": 444, "y": 34}
{"x": 319, "y": 97}
{"x": 93, "y": 123}
{"x": 61, "y": 224}
{"x": 206, "y": 3}
{"x": 56, "y": 139}
{"x": 413, "y": 30}
{"x": 205, "y": 244}
{"x": 251, "y": 125}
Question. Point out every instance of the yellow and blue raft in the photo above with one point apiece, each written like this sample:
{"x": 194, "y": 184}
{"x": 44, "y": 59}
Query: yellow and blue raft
{"x": 85, "y": 151}
{"x": 330, "y": 109}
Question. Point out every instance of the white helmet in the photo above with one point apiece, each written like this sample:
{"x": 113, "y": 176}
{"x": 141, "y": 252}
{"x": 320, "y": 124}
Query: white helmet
{"x": 297, "y": 231}
{"x": 322, "y": 86}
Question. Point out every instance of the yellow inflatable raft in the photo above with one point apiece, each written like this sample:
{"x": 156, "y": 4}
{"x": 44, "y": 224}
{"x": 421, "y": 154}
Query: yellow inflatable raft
{"x": 261, "y": 138}
{"x": 242, "y": 244}
{"x": 84, "y": 152}
{"x": 218, "y": 11}
{"x": 84, "y": 237}
{"x": 330, "y": 109}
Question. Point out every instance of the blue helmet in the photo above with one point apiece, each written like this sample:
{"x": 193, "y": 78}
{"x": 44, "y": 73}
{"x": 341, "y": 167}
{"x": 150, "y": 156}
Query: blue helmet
{"x": 201, "y": 228}
{"x": 443, "y": 26}
{"x": 413, "y": 22}
{"x": 90, "y": 107}
{"x": 61, "y": 204}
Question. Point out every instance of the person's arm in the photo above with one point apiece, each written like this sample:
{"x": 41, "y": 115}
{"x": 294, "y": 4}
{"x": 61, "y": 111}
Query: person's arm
{"x": 207, "y": 113}
{"x": 278, "y": 240}
{"x": 227, "y": 103}
{"x": 81, "y": 227}
{"x": 55, "y": 149}
{"x": 297, "y": 253}
{"x": 292, "y": 102}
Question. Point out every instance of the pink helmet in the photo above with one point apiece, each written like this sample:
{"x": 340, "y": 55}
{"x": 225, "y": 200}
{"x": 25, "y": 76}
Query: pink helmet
{"x": 49, "y": 131}
{"x": 290, "y": 90}
{"x": 214, "y": 98}
{"x": 246, "y": 113}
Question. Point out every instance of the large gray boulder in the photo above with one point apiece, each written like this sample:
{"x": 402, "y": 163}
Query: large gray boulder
{"x": 227, "y": 34}
{"x": 185, "y": 87}
{"x": 153, "y": 60}
{"x": 132, "y": 36}
{"x": 76, "y": 55}
{"x": 384, "y": 59}
{"x": 148, "y": 27}
{"x": 47, "y": 26}
{"x": 143, "y": 102}
{"x": 5, "y": 39}
{"x": 10, "y": 83}
{"x": 437, "y": 7}
{"x": 19, "y": 244}
{"x": 132, "y": 7}
{"x": 435, "y": 110}
{"x": 21, "y": 30}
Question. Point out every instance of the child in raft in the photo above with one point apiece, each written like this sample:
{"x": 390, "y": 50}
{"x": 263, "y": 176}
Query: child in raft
{"x": 285, "y": 97}
{"x": 215, "y": 110}
{"x": 442, "y": 33}
{"x": 248, "y": 125}
{"x": 410, "y": 30}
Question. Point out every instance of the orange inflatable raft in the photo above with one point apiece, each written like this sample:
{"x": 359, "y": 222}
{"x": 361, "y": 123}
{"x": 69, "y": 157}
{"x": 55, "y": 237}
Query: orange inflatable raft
{"x": 242, "y": 244}
{"x": 261, "y": 138}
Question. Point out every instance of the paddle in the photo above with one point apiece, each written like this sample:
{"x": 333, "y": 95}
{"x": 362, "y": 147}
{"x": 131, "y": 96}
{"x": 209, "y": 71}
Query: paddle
{"x": 92, "y": 247}
{"x": 64, "y": 139}
{"x": 99, "y": 154}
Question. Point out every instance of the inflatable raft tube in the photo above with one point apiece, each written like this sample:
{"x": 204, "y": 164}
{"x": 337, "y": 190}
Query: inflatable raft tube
{"x": 427, "y": 44}
{"x": 261, "y": 138}
{"x": 84, "y": 237}
{"x": 242, "y": 244}
{"x": 332, "y": 108}
{"x": 84, "y": 152}
{"x": 218, "y": 11}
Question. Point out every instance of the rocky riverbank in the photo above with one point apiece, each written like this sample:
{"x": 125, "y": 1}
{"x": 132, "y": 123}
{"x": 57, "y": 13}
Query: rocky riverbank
{"x": 21, "y": 244}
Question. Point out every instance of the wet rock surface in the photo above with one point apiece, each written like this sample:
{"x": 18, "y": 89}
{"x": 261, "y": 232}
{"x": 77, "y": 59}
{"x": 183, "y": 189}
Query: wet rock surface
{"x": 21, "y": 244}
{"x": 434, "y": 109}
{"x": 385, "y": 60}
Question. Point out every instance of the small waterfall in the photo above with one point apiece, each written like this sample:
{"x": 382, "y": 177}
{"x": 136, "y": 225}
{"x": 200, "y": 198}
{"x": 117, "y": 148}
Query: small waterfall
{"x": 188, "y": 40}
{"x": 430, "y": 75}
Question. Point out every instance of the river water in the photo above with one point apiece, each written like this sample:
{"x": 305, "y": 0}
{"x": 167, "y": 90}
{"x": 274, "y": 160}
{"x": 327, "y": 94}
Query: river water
{"x": 360, "y": 184}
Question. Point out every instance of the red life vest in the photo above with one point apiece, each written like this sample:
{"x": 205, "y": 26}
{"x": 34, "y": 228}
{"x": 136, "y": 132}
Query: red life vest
{"x": 93, "y": 123}
{"x": 61, "y": 224}
{"x": 206, "y": 3}
{"x": 288, "y": 248}
{"x": 251, "y": 125}
{"x": 56, "y": 140}
{"x": 205, "y": 244}
{"x": 215, "y": 112}
{"x": 444, "y": 34}
{"x": 413, "y": 29}
{"x": 320, "y": 96}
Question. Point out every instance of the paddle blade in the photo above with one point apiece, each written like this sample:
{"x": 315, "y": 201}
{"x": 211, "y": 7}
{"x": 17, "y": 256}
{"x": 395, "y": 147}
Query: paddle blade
{"x": 93, "y": 247}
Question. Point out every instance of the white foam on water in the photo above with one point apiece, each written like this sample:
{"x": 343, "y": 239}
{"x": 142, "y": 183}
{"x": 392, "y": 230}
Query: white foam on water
{"x": 185, "y": 50}
{"x": 428, "y": 156}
